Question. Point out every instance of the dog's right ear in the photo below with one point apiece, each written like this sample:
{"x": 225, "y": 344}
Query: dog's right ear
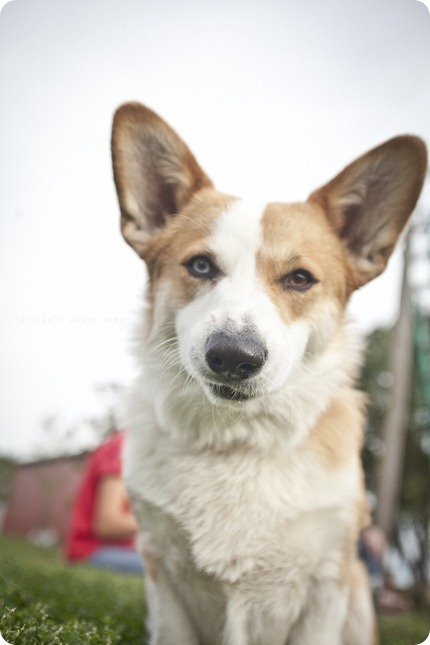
{"x": 370, "y": 201}
{"x": 155, "y": 173}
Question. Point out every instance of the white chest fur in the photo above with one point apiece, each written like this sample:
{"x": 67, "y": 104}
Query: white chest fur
{"x": 240, "y": 510}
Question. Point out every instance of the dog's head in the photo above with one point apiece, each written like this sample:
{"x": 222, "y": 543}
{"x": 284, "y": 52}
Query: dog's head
{"x": 247, "y": 293}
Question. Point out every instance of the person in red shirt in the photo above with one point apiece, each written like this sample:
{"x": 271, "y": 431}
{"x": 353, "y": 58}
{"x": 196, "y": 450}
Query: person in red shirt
{"x": 103, "y": 528}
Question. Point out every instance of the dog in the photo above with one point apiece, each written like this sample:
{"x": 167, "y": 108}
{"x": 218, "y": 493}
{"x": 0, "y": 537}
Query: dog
{"x": 242, "y": 459}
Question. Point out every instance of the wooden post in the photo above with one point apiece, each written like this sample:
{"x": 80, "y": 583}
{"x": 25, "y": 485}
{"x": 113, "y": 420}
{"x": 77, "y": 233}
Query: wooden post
{"x": 396, "y": 418}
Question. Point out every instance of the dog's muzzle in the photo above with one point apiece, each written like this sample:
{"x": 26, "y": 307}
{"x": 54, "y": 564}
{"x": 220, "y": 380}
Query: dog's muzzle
{"x": 232, "y": 359}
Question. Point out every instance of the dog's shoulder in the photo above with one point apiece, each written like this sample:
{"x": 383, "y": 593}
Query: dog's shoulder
{"x": 338, "y": 435}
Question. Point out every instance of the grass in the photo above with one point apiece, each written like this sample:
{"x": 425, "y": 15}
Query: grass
{"x": 44, "y": 601}
{"x": 410, "y": 629}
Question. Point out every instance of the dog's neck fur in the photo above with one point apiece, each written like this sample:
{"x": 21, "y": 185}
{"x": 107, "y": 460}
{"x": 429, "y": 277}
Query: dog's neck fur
{"x": 182, "y": 410}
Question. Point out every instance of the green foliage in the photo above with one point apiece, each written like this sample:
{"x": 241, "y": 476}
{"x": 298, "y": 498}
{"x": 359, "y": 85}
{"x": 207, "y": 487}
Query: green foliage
{"x": 414, "y": 511}
{"x": 376, "y": 380}
{"x": 45, "y": 601}
{"x": 408, "y": 629}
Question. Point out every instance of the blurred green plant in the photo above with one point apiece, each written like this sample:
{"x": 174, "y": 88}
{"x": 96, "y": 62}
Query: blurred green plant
{"x": 414, "y": 510}
{"x": 45, "y": 601}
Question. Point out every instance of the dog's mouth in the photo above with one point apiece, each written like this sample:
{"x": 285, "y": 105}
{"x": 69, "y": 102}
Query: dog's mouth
{"x": 229, "y": 393}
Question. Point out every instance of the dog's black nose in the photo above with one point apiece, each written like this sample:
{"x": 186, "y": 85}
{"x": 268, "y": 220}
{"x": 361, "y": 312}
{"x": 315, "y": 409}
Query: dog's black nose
{"x": 235, "y": 356}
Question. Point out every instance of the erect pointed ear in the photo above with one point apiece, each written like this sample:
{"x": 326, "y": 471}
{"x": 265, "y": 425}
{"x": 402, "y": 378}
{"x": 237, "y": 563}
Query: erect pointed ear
{"x": 154, "y": 171}
{"x": 369, "y": 202}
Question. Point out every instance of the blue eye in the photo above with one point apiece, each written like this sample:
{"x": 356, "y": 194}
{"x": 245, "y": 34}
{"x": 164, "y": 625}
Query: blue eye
{"x": 202, "y": 267}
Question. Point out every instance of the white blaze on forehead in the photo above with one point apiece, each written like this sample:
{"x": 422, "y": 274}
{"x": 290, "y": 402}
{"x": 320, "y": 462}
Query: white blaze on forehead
{"x": 237, "y": 238}
{"x": 238, "y": 299}
{"x": 240, "y": 295}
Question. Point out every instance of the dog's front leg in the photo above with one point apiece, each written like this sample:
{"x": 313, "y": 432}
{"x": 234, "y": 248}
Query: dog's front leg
{"x": 168, "y": 621}
{"x": 249, "y": 623}
{"x": 324, "y": 616}
{"x": 235, "y": 629}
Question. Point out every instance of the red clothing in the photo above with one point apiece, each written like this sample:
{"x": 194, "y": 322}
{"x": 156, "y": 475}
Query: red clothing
{"x": 105, "y": 461}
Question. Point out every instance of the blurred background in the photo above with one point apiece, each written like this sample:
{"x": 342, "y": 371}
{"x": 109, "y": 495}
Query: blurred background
{"x": 274, "y": 98}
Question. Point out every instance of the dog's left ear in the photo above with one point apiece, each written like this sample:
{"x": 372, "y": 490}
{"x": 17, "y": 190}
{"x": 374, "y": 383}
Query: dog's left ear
{"x": 370, "y": 201}
{"x": 155, "y": 173}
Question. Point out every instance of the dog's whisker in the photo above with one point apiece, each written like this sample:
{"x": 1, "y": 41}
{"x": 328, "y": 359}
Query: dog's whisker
{"x": 179, "y": 374}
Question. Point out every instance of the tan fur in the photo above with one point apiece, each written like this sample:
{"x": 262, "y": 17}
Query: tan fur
{"x": 151, "y": 568}
{"x": 298, "y": 236}
{"x": 337, "y": 437}
{"x": 384, "y": 183}
{"x": 251, "y": 498}
{"x": 166, "y": 254}
{"x": 170, "y": 161}
{"x": 355, "y": 630}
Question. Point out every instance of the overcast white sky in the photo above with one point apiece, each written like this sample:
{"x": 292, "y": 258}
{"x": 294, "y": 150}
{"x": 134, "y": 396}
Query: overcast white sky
{"x": 273, "y": 97}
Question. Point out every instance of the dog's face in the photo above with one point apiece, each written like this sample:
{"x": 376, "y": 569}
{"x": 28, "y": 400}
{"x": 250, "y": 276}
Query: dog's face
{"x": 251, "y": 293}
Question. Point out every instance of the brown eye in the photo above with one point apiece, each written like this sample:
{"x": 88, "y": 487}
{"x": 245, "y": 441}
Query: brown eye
{"x": 298, "y": 280}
